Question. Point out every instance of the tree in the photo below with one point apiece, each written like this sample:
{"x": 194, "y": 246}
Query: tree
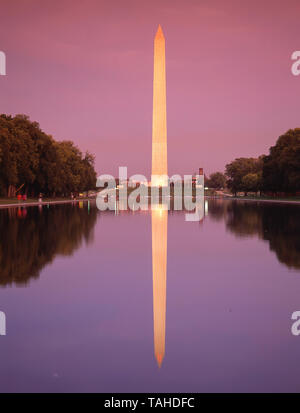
{"x": 34, "y": 160}
{"x": 8, "y": 160}
{"x": 251, "y": 182}
{"x": 89, "y": 177}
{"x": 240, "y": 167}
{"x": 281, "y": 168}
{"x": 217, "y": 180}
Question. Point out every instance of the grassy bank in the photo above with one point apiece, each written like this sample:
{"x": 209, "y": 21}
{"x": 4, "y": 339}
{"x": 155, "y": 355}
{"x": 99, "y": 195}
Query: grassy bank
{"x": 267, "y": 198}
{"x": 13, "y": 202}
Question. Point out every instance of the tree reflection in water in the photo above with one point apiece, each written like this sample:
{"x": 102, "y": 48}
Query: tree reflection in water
{"x": 33, "y": 237}
{"x": 279, "y": 224}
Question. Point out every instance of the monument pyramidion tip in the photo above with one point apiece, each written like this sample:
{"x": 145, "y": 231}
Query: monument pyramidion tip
{"x": 159, "y": 33}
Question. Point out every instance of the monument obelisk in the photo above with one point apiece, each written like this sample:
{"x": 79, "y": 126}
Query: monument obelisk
{"x": 159, "y": 119}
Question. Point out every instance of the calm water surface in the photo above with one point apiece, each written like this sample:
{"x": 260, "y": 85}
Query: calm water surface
{"x": 97, "y": 301}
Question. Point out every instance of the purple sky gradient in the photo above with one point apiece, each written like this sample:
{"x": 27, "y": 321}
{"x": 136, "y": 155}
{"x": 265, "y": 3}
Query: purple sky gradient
{"x": 84, "y": 71}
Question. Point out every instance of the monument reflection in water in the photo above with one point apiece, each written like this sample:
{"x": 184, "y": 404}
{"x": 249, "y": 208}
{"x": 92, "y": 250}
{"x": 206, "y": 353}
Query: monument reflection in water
{"x": 159, "y": 218}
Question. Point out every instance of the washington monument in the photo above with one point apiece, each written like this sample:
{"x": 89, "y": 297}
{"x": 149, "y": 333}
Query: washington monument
{"x": 159, "y": 120}
{"x": 159, "y": 178}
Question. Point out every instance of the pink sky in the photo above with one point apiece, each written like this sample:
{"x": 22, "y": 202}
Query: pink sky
{"x": 83, "y": 70}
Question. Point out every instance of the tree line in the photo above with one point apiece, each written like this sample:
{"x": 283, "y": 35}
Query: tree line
{"x": 275, "y": 173}
{"x": 32, "y": 162}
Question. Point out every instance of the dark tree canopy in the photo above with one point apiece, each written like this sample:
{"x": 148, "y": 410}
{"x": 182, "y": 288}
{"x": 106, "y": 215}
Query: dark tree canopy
{"x": 33, "y": 159}
{"x": 252, "y": 182}
{"x": 217, "y": 180}
{"x": 281, "y": 168}
{"x": 278, "y": 172}
{"x": 237, "y": 170}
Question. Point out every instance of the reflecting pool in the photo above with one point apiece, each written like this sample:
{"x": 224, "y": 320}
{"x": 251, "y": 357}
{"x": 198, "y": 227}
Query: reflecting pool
{"x": 145, "y": 301}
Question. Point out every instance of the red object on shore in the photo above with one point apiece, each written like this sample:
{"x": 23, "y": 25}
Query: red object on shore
{"x": 24, "y": 197}
{"x": 19, "y": 197}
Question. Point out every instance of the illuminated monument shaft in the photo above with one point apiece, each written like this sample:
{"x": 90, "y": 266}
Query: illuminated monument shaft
{"x": 159, "y": 270}
{"x": 159, "y": 120}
